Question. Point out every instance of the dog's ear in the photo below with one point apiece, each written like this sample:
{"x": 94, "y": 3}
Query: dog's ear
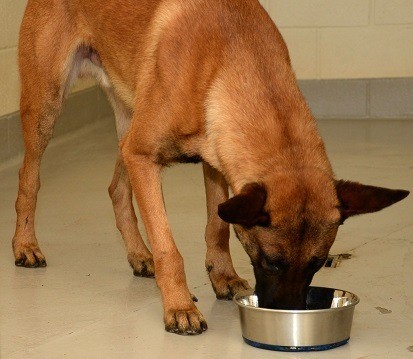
{"x": 356, "y": 198}
{"x": 246, "y": 208}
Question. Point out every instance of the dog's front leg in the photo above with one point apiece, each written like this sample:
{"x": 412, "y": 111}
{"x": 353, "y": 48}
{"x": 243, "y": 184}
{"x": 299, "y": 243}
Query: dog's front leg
{"x": 180, "y": 313}
{"x": 224, "y": 279}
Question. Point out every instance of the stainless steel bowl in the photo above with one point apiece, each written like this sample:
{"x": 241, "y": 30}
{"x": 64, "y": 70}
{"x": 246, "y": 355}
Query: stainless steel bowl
{"x": 326, "y": 324}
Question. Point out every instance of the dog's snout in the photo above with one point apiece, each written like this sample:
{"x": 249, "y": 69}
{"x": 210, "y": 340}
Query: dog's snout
{"x": 289, "y": 302}
{"x": 282, "y": 297}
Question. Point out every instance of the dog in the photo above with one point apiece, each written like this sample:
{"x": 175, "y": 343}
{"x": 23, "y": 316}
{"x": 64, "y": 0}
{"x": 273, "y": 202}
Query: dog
{"x": 191, "y": 81}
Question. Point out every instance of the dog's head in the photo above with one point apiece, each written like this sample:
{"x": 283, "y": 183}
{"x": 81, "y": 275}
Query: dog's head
{"x": 288, "y": 224}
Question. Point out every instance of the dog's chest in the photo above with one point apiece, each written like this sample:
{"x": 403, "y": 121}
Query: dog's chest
{"x": 179, "y": 150}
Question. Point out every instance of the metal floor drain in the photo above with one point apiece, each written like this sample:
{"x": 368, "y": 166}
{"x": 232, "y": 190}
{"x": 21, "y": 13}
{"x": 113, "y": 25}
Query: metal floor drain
{"x": 333, "y": 261}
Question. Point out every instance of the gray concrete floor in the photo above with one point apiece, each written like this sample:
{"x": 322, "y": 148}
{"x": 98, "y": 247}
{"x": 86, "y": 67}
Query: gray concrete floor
{"x": 87, "y": 304}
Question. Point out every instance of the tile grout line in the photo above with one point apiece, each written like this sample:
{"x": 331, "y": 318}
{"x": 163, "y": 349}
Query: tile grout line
{"x": 4, "y": 49}
{"x": 371, "y": 14}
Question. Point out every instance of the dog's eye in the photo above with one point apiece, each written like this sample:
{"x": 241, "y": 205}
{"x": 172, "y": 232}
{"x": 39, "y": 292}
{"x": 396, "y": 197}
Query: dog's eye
{"x": 275, "y": 266}
{"x": 317, "y": 263}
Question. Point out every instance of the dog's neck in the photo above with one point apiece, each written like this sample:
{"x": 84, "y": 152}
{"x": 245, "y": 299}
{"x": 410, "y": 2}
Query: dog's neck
{"x": 258, "y": 134}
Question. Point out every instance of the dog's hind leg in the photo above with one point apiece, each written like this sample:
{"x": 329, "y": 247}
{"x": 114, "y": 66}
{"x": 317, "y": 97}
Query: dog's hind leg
{"x": 120, "y": 191}
{"x": 139, "y": 256}
{"x": 47, "y": 54}
{"x": 225, "y": 281}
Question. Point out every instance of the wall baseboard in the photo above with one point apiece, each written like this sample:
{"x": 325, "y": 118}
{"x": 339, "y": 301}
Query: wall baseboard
{"x": 328, "y": 99}
{"x": 360, "y": 99}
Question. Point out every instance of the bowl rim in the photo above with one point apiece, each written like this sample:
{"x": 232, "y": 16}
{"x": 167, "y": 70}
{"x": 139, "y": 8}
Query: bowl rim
{"x": 300, "y": 311}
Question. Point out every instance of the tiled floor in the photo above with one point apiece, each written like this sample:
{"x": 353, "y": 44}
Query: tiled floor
{"x": 87, "y": 304}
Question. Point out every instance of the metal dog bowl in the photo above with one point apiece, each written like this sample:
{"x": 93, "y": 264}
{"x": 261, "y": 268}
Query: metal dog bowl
{"x": 324, "y": 325}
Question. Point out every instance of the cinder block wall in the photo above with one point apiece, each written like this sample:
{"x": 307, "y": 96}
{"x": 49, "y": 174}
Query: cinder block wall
{"x": 328, "y": 39}
{"x": 347, "y": 39}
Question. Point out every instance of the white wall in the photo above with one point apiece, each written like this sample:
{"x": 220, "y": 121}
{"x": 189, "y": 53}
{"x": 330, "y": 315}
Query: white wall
{"x": 327, "y": 39}
{"x": 340, "y": 39}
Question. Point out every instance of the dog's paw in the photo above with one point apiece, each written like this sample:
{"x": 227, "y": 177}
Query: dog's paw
{"x": 185, "y": 322}
{"x": 142, "y": 267}
{"x": 226, "y": 288}
{"x": 28, "y": 255}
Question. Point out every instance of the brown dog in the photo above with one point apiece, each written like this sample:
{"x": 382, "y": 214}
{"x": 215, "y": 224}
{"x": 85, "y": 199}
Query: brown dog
{"x": 192, "y": 80}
